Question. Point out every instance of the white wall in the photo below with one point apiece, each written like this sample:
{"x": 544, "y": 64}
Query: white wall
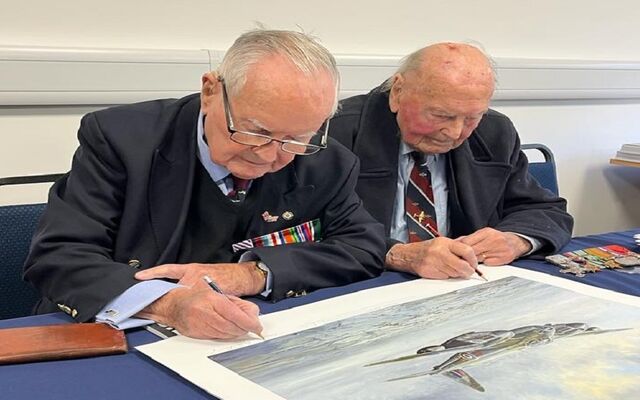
{"x": 581, "y": 29}
{"x": 583, "y": 134}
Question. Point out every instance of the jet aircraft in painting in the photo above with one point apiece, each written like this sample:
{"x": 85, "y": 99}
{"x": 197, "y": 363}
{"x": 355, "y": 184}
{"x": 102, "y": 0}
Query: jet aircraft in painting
{"x": 476, "y": 347}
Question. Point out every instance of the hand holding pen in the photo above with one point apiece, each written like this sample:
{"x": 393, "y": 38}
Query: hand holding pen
{"x": 194, "y": 309}
{"x": 438, "y": 258}
{"x": 475, "y": 267}
{"x": 217, "y": 289}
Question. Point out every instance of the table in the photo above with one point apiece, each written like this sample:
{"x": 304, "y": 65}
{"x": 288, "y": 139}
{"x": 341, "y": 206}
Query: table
{"x": 607, "y": 279}
{"x": 133, "y": 375}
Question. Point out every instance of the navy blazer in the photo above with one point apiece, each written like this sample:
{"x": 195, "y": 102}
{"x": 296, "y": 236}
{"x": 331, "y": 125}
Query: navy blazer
{"x": 127, "y": 197}
{"x": 488, "y": 180}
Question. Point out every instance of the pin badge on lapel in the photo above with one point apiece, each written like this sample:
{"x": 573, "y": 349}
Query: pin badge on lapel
{"x": 288, "y": 215}
{"x": 268, "y": 217}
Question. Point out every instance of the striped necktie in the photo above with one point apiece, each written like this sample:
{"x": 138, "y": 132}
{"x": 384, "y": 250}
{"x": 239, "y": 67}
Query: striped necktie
{"x": 239, "y": 191}
{"x": 419, "y": 206}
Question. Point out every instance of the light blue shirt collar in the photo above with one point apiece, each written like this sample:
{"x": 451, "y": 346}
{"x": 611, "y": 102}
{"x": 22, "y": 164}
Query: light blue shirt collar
{"x": 406, "y": 150}
{"x": 217, "y": 172}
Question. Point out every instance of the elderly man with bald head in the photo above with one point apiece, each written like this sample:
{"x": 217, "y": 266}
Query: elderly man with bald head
{"x": 443, "y": 172}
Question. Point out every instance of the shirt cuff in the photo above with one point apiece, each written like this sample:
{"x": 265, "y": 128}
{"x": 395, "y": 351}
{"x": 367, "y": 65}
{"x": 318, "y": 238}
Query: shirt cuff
{"x": 535, "y": 243}
{"x": 119, "y": 312}
{"x": 268, "y": 287}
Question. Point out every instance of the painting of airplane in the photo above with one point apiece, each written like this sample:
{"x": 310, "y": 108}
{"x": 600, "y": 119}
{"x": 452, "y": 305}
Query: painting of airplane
{"x": 477, "y": 347}
{"x": 505, "y": 339}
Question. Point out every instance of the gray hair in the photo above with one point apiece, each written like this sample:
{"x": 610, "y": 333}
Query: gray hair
{"x": 301, "y": 49}
{"x": 413, "y": 61}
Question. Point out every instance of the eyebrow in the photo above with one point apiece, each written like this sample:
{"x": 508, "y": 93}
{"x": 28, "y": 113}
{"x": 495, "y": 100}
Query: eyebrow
{"x": 261, "y": 127}
{"x": 258, "y": 124}
{"x": 445, "y": 112}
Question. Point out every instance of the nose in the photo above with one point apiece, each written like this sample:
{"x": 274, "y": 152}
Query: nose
{"x": 268, "y": 152}
{"x": 453, "y": 128}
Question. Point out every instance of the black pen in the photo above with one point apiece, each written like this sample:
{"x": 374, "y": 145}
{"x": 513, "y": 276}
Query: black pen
{"x": 216, "y": 289}
{"x": 480, "y": 274}
{"x": 213, "y": 285}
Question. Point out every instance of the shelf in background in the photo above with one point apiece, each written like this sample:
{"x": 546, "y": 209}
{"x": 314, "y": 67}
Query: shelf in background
{"x": 626, "y": 163}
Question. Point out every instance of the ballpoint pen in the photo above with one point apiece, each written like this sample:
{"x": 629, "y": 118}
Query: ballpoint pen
{"x": 480, "y": 274}
{"x": 216, "y": 289}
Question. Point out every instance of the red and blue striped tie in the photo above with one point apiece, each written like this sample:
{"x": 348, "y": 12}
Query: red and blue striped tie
{"x": 419, "y": 206}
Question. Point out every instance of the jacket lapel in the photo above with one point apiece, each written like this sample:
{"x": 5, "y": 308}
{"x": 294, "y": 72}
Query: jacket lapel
{"x": 377, "y": 146}
{"x": 476, "y": 185}
{"x": 171, "y": 180}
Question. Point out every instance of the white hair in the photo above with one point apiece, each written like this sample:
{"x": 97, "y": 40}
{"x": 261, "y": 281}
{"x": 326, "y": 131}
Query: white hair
{"x": 303, "y": 50}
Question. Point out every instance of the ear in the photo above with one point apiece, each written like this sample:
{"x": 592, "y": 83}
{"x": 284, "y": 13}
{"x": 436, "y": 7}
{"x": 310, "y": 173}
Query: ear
{"x": 209, "y": 91}
{"x": 395, "y": 92}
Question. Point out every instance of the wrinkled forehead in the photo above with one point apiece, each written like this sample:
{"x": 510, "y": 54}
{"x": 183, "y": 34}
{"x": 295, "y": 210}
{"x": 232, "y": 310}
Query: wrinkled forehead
{"x": 451, "y": 97}
{"x": 277, "y": 80}
{"x": 285, "y": 99}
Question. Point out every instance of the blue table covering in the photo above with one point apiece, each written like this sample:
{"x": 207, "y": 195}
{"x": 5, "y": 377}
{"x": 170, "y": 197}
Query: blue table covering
{"x": 607, "y": 279}
{"x": 134, "y": 376}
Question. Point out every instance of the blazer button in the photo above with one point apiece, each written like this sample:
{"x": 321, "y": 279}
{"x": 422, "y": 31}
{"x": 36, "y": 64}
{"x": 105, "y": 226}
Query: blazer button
{"x": 135, "y": 263}
{"x": 65, "y": 308}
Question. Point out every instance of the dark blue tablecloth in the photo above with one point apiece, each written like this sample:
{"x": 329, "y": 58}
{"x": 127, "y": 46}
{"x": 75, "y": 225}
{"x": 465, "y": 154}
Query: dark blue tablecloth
{"x": 134, "y": 376}
{"x": 608, "y": 279}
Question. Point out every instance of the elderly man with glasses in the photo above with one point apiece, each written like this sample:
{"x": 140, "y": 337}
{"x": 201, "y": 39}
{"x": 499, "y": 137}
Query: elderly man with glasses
{"x": 236, "y": 185}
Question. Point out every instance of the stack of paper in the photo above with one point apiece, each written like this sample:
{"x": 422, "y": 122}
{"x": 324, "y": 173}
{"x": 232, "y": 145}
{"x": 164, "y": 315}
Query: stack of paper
{"x": 629, "y": 152}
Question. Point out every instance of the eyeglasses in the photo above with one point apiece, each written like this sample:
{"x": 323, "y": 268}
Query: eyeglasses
{"x": 257, "y": 139}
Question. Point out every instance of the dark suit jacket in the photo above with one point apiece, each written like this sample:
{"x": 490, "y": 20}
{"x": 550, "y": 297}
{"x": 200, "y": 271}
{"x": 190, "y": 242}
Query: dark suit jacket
{"x": 489, "y": 184}
{"x": 127, "y": 197}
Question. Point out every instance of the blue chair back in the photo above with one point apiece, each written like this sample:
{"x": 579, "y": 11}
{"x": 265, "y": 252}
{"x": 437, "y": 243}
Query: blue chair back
{"x": 17, "y": 224}
{"x": 545, "y": 171}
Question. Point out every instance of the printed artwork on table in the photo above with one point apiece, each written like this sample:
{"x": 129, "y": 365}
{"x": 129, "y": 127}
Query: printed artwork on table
{"x": 510, "y": 338}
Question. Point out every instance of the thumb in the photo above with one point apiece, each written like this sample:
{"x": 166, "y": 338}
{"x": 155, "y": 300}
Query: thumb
{"x": 249, "y": 321}
{"x": 171, "y": 271}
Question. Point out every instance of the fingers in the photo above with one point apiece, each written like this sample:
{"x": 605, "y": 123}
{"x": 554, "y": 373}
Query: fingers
{"x": 464, "y": 252}
{"x": 189, "y": 275}
{"x": 492, "y": 247}
{"x": 443, "y": 258}
{"x": 250, "y": 321}
{"x": 476, "y": 237}
{"x": 461, "y": 259}
{"x": 234, "y": 316}
{"x": 484, "y": 242}
{"x": 455, "y": 266}
{"x": 501, "y": 258}
{"x": 171, "y": 271}
{"x": 205, "y": 314}
{"x": 436, "y": 273}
